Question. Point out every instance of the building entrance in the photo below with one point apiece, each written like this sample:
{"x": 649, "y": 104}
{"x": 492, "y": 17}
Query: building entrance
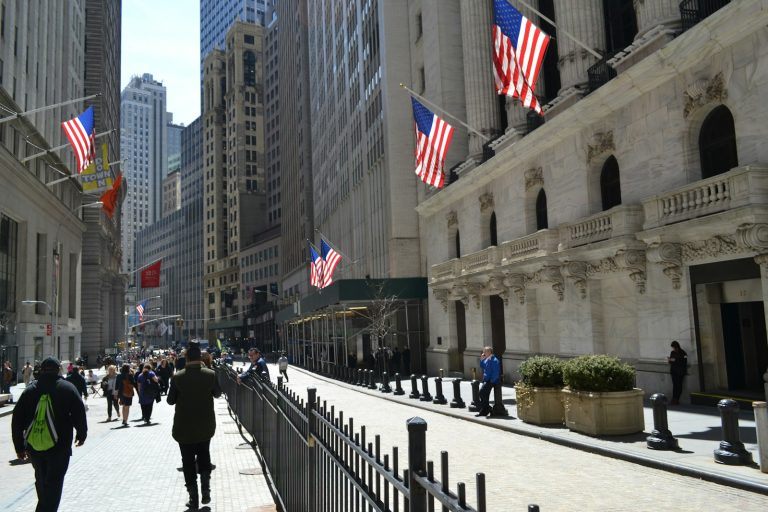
{"x": 745, "y": 345}
{"x": 498, "y": 337}
{"x": 461, "y": 335}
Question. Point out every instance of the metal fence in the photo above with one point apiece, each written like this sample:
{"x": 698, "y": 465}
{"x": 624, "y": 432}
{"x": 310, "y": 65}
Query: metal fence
{"x": 318, "y": 461}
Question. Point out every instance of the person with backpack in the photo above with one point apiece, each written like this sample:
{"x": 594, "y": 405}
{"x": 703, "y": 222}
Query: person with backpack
{"x": 125, "y": 390}
{"x": 149, "y": 390}
{"x": 42, "y": 423}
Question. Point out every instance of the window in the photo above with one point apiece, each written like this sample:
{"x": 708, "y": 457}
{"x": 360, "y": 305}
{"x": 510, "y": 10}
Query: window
{"x": 458, "y": 245}
{"x": 249, "y": 68}
{"x": 541, "y": 211}
{"x": 8, "y": 248}
{"x": 72, "y": 302}
{"x": 717, "y": 143}
{"x": 492, "y": 227}
{"x": 610, "y": 184}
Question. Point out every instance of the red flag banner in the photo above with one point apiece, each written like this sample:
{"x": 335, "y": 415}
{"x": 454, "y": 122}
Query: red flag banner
{"x": 109, "y": 198}
{"x": 150, "y": 276}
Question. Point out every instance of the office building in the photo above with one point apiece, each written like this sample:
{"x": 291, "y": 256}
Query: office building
{"x": 218, "y": 16}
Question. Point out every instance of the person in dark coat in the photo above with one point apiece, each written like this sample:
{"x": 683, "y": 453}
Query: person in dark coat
{"x": 678, "y": 368}
{"x": 257, "y": 369}
{"x": 78, "y": 381}
{"x": 164, "y": 372}
{"x": 68, "y": 413}
{"x": 192, "y": 392}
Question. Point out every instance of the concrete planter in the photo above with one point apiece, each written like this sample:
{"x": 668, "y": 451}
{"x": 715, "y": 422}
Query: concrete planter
{"x": 604, "y": 414}
{"x": 540, "y": 406}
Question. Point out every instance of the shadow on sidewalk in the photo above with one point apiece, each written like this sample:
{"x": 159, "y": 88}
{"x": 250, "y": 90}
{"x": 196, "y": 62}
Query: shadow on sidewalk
{"x": 746, "y": 435}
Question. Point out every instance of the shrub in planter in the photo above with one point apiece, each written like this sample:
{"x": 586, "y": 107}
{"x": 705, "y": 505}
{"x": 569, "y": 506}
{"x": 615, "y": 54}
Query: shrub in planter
{"x": 599, "y": 373}
{"x": 538, "y": 393}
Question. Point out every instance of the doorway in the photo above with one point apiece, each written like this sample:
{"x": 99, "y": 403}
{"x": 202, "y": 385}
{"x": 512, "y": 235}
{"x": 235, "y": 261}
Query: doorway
{"x": 461, "y": 335}
{"x": 498, "y": 338}
{"x": 745, "y": 345}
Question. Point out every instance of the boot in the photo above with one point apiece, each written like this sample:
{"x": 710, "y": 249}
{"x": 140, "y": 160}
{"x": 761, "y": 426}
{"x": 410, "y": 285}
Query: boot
{"x": 205, "y": 488}
{"x": 193, "y": 503}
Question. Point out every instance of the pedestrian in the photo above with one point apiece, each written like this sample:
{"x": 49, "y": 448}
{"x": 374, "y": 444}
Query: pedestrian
{"x": 68, "y": 411}
{"x": 192, "y": 392}
{"x": 181, "y": 360}
{"x": 164, "y": 372}
{"x": 491, "y": 377}
{"x": 98, "y": 361}
{"x": 7, "y": 380}
{"x": 26, "y": 373}
{"x": 125, "y": 390}
{"x": 77, "y": 380}
{"x": 207, "y": 359}
{"x": 109, "y": 387}
{"x": 149, "y": 391}
{"x": 678, "y": 369}
{"x": 257, "y": 369}
{"x": 282, "y": 364}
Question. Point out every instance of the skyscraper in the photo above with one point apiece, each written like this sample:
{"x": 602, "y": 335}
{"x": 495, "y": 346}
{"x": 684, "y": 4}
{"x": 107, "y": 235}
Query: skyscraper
{"x": 217, "y": 16}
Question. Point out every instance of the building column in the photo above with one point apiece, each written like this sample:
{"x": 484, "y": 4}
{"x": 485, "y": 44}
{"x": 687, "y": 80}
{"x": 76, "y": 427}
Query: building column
{"x": 587, "y": 24}
{"x": 442, "y": 321}
{"x": 478, "y": 320}
{"x": 481, "y": 98}
{"x": 653, "y": 13}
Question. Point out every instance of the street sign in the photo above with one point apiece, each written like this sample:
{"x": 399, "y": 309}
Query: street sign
{"x": 48, "y": 329}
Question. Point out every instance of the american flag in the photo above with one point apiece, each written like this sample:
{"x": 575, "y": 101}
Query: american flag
{"x": 330, "y": 258}
{"x": 433, "y": 136}
{"x": 82, "y": 136}
{"x": 518, "y": 50}
{"x": 315, "y": 268}
{"x": 140, "y": 307}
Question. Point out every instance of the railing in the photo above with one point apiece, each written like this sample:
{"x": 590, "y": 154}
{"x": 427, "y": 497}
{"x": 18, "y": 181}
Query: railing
{"x": 600, "y": 73}
{"x": 534, "y": 245}
{"x": 446, "y": 270}
{"x": 618, "y": 221}
{"x": 693, "y": 11}
{"x": 479, "y": 261}
{"x": 739, "y": 187}
{"x": 319, "y": 461}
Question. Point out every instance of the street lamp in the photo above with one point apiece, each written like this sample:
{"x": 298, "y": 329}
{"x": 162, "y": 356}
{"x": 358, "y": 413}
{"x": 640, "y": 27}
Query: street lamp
{"x": 53, "y": 321}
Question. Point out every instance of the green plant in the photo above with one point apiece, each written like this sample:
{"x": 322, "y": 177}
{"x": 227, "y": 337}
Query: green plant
{"x": 598, "y": 373}
{"x": 542, "y": 372}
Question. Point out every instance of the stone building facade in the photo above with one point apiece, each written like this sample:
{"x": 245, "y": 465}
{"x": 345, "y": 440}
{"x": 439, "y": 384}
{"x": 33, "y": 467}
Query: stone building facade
{"x": 633, "y": 216}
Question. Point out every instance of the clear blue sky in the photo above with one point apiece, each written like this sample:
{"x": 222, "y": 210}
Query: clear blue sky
{"x": 162, "y": 37}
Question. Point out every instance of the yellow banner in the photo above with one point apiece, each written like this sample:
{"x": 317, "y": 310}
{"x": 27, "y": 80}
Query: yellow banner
{"x": 96, "y": 177}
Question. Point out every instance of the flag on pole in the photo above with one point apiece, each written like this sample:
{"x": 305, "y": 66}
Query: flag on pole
{"x": 331, "y": 258}
{"x": 141, "y": 307}
{"x": 315, "y": 268}
{"x": 82, "y": 136}
{"x": 433, "y": 136}
{"x": 109, "y": 198}
{"x": 97, "y": 176}
{"x": 163, "y": 328}
{"x": 150, "y": 276}
{"x": 518, "y": 51}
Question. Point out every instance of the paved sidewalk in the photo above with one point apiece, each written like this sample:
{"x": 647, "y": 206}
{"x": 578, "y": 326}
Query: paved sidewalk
{"x": 136, "y": 467}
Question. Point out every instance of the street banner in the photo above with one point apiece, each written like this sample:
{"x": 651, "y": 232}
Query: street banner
{"x": 96, "y": 177}
{"x": 150, "y": 276}
{"x": 162, "y": 329}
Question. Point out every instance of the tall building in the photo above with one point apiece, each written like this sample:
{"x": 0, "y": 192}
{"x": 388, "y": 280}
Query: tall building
{"x": 233, "y": 153}
{"x": 174, "y": 144}
{"x": 172, "y": 191}
{"x": 272, "y": 123}
{"x": 144, "y": 149}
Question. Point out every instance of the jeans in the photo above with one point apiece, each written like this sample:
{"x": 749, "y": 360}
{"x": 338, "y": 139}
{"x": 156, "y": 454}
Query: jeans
{"x": 195, "y": 457}
{"x": 112, "y": 402}
{"x": 677, "y": 386}
{"x": 146, "y": 411}
{"x": 485, "y": 397}
{"x": 50, "y": 468}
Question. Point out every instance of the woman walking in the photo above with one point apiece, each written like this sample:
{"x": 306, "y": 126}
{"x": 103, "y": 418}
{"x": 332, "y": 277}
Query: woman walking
{"x": 125, "y": 390}
{"x": 164, "y": 372}
{"x": 109, "y": 385}
{"x": 149, "y": 390}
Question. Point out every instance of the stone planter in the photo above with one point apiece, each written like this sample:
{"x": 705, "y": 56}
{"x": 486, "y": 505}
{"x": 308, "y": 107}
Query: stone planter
{"x": 540, "y": 406}
{"x": 604, "y": 414}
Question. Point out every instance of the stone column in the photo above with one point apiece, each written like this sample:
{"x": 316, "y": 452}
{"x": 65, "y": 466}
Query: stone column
{"x": 755, "y": 237}
{"x": 652, "y": 13}
{"x": 585, "y": 23}
{"x": 478, "y": 321}
{"x": 481, "y": 98}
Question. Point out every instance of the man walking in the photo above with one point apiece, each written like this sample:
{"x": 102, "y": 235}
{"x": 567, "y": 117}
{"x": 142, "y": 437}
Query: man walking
{"x": 282, "y": 364}
{"x": 68, "y": 411}
{"x": 491, "y": 377}
{"x": 192, "y": 392}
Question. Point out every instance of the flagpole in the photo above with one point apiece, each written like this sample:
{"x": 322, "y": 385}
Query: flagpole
{"x": 75, "y": 176}
{"x": 445, "y": 113}
{"x": 333, "y": 246}
{"x": 143, "y": 266}
{"x": 57, "y": 148}
{"x": 17, "y": 115}
{"x": 562, "y": 31}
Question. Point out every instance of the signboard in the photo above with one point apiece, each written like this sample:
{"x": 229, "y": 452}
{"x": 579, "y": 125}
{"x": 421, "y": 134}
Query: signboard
{"x": 48, "y": 329}
{"x": 96, "y": 177}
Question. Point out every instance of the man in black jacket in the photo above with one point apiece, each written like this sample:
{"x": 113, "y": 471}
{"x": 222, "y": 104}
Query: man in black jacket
{"x": 68, "y": 412}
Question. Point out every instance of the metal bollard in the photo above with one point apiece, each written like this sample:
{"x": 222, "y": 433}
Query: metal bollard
{"x": 372, "y": 380}
{"x": 474, "y": 373}
{"x": 425, "y": 396}
{"x": 358, "y": 374}
{"x": 761, "y": 424}
{"x": 441, "y": 373}
{"x": 533, "y": 508}
{"x": 366, "y": 378}
{"x": 385, "y": 387}
{"x": 398, "y": 388}
{"x": 439, "y": 397}
{"x": 498, "y": 408}
{"x": 474, "y": 405}
{"x": 457, "y": 402}
{"x": 731, "y": 451}
{"x": 661, "y": 438}
{"x": 414, "y": 388}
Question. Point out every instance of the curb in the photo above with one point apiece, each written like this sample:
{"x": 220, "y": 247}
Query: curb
{"x": 718, "y": 478}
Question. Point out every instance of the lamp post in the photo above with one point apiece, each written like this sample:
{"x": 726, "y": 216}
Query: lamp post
{"x": 179, "y": 325}
{"x": 53, "y": 322}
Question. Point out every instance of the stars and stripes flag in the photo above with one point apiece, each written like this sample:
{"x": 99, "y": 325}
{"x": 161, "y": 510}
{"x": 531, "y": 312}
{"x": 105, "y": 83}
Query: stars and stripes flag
{"x": 315, "y": 268}
{"x": 82, "y": 136}
{"x": 433, "y": 136}
{"x": 141, "y": 307}
{"x": 331, "y": 258}
{"x": 518, "y": 51}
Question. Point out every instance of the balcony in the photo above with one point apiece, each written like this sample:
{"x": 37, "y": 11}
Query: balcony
{"x": 738, "y": 187}
{"x": 600, "y": 73}
{"x": 487, "y": 259}
{"x": 541, "y": 243}
{"x": 693, "y": 11}
{"x": 446, "y": 271}
{"x": 618, "y": 221}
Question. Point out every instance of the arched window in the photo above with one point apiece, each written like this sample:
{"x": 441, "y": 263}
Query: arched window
{"x": 249, "y": 67}
{"x": 458, "y": 245}
{"x": 610, "y": 184}
{"x": 541, "y": 210}
{"x": 717, "y": 143}
{"x": 492, "y": 226}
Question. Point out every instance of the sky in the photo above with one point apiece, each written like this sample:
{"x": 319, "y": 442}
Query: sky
{"x": 162, "y": 37}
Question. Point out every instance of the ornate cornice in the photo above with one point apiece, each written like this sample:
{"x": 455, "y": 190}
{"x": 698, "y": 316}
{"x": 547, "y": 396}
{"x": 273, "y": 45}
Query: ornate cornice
{"x": 552, "y": 274}
{"x": 669, "y": 256}
{"x": 576, "y": 272}
{"x": 452, "y": 218}
{"x": 442, "y": 296}
{"x": 603, "y": 143}
{"x": 753, "y": 237}
{"x": 718, "y": 245}
{"x": 701, "y": 92}
{"x": 486, "y": 201}
{"x": 534, "y": 178}
{"x": 631, "y": 261}
{"x": 516, "y": 283}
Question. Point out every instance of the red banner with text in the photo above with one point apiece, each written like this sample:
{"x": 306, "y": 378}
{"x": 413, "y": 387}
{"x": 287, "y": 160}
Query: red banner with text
{"x": 150, "y": 276}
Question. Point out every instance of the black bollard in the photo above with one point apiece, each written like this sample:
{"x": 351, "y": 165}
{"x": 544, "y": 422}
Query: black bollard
{"x": 372, "y": 380}
{"x": 498, "y": 408}
{"x": 661, "y": 438}
{"x": 731, "y": 449}
{"x": 366, "y": 378}
{"x": 439, "y": 397}
{"x": 414, "y": 388}
{"x": 457, "y": 402}
{"x": 385, "y": 387}
{"x": 398, "y": 388}
{"x": 474, "y": 405}
{"x": 425, "y": 396}
{"x": 357, "y": 377}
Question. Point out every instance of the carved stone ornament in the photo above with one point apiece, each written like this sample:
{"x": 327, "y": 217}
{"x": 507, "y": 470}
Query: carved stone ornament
{"x": 441, "y": 295}
{"x": 633, "y": 261}
{"x": 486, "y": 201}
{"x": 718, "y": 245}
{"x": 552, "y": 274}
{"x": 701, "y": 92}
{"x": 762, "y": 260}
{"x": 534, "y": 178}
{"x": 669, "y": 256}
{"x": 452, "y": 218}
{"x": 603, "y": 143}
{"x": 474, "y": 292}
{"x": 753, "y": 237}
{"x": 576, "y": 272}
{"x": 516, "y": 283}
